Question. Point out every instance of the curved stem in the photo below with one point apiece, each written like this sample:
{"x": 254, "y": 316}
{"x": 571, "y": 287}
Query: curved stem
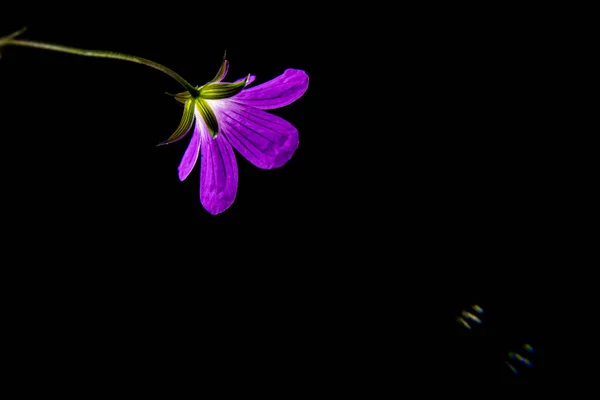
{"x": 102, "y": 54}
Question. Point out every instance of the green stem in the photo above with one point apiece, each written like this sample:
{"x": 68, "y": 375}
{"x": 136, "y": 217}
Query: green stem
{"x": 7, "y": 41}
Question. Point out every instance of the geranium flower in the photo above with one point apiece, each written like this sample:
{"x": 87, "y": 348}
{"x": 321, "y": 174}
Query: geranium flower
{"x": 223, "y": 115}
{"x": 230, "y": 115}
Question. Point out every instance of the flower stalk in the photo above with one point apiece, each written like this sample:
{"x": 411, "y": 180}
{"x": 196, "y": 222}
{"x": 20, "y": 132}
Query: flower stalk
{"x": 11, "y": 41}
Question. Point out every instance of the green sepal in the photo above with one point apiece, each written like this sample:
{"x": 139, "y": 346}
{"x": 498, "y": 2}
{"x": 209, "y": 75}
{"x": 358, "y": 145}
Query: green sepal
{"x": 186, "y": 122}
{"x": 218, "y": 91}
{"x": 208, "y": 116}
{"x": 222, "y": 71}
{"x": 182, "y": 97}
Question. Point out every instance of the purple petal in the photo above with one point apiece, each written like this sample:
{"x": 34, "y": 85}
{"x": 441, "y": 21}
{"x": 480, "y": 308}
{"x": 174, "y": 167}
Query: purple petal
{"x": 218, "y": 174}
{"x": 264, "y": 139}
{"x": 191, "y": 154}
{"x": 277, "y": 92}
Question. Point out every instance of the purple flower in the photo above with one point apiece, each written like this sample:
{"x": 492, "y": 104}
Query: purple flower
{"x": 230, "y": 115}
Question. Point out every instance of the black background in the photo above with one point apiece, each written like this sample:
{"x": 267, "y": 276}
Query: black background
{"x": 425, "y": 182}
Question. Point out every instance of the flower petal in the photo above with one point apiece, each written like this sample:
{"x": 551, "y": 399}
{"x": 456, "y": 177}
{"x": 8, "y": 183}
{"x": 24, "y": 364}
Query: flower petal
{"x": 218, "y": 174}
{"x": 191, "y": 154}
{"x": 264, "y": 139}
{"x": 277, "y": 92}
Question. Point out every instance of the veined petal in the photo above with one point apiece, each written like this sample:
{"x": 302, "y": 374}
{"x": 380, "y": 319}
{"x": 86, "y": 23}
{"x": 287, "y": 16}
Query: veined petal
{"x": 190, "y": 157}
{"x": 207, "y": 114}
{"x": 218, "y": 174}
{"x": 264, "y": 139}
{"x": 217, "y": 91}
{"x": 184, "y": 126}
{"x": 277, "y": 92}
